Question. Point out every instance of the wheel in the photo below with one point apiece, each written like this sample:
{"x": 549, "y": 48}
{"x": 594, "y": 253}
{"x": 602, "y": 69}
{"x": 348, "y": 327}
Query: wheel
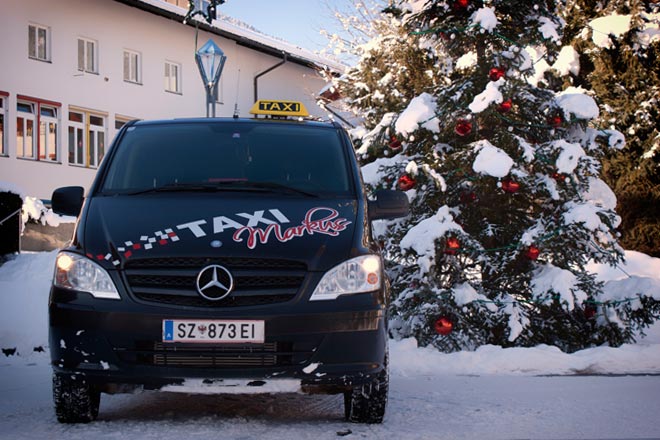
{"x": 366, "y": 403}
{"x": 75, "y": 400}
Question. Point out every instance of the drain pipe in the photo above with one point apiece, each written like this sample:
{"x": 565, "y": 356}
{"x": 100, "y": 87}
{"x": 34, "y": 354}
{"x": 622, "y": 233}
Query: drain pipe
{"x": 256, "y": 78}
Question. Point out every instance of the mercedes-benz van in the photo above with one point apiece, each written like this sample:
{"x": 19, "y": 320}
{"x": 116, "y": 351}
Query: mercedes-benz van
{"x": 213, "y": 253}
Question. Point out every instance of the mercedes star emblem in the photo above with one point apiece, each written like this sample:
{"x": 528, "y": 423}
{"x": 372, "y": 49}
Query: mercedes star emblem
{"x": 214, "y": 282}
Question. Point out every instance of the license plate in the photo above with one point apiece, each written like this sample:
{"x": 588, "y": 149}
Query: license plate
{"x": 213, "y": 331}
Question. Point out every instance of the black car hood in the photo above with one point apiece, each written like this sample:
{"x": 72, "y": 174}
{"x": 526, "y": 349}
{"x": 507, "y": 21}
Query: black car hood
{"x": 314, "y": 230}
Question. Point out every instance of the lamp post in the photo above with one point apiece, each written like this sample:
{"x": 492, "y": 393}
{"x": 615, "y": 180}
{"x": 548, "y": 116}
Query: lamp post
{"x": 210, "y": 60}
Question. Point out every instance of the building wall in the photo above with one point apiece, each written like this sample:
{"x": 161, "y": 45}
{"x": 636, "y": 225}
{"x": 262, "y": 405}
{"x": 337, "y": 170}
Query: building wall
{"x": 116, "y": 27}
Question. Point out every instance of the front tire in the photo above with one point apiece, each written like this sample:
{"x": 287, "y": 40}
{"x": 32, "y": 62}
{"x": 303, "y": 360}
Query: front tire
{"x": 366, "y": 403}
{"x": 75, "y": 400}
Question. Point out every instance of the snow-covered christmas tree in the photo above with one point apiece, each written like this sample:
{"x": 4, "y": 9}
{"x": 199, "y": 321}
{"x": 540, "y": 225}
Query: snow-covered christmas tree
{"x": 503, "y": 177}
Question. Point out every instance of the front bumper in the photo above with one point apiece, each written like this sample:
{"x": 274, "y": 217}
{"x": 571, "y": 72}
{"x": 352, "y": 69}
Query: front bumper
{"x": 117, "y": 344}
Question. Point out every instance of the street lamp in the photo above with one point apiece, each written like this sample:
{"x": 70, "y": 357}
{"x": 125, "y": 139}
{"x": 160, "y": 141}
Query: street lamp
{"x": 210, "y": 60}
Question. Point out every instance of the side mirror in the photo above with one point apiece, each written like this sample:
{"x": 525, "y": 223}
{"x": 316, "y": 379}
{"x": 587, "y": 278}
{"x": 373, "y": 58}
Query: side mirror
{"x": 68, "y": 200}
{"x": 389, "y": 204}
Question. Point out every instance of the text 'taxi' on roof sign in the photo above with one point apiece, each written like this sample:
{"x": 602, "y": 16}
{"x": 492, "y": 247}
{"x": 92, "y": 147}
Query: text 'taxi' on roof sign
{"x": 279, "y": 108}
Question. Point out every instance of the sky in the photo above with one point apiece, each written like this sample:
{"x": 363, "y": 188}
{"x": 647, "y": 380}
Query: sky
{"x": 295, "y": 21}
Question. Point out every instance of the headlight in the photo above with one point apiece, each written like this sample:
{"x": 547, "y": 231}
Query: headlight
{"x": 357, "y": 275}
{"x": 75, "y": 272}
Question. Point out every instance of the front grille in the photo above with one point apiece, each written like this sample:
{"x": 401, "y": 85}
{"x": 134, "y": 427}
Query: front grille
{"x": 172, "y": 281}
{"x": 259, "y": 355}
{"x": 269, "y": 354}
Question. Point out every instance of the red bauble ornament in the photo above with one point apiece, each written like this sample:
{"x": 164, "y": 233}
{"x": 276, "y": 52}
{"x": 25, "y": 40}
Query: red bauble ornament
{"x": 496, "y": 73}
{"x": 589, "y": 312}
{"x": 461, "y": 4}
{"x": 468, "y": 197}
{"x": 443, "y": 326}
{"x": 556, "y": 121}
{"x": 505, "y": 107}
{"x": 532, "y": 252}
{"x": 510, "y": 186}
{"x": 453, "y": 245}
{"x": 463, "y": 127}
{"x": 406, "y": 182}
{"x": 395, "y": 144}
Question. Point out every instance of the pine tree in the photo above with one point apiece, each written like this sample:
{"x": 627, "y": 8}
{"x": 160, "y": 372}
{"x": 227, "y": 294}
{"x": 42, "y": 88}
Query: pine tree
{"x": 502, "y": 174}
{"x": 622, "y": 67}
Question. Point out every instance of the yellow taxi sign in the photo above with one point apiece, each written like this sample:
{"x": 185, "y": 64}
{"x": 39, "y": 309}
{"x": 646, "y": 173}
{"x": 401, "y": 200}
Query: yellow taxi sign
{"x": 278, "y": 108}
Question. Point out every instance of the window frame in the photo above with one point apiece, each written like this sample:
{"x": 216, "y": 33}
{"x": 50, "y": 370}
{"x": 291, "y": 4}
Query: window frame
{"x": 21, "y": 146}
{"x": 177, "y": 79}
{"x": 137, "y": 66}
{"x": 41, "y": 151}
{"x": 3, "y": 123}
{"x": 48, "y": 152}
{"x": 85, "y": 55}
{"x": 35, "y": 48}
{"x": 88, "y": 135}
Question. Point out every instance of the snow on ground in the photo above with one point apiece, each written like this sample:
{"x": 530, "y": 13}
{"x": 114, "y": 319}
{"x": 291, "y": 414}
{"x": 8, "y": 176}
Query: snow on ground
{"x": 489, "y": 393}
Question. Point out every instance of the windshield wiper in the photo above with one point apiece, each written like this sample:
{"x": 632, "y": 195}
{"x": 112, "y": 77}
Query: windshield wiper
{"x": 229, "y": 185}
{"x": 195, "y": 187}
{"x": 278, "y": 187}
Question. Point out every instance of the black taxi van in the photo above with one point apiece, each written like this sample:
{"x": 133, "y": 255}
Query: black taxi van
{"x": 214, "y": 253}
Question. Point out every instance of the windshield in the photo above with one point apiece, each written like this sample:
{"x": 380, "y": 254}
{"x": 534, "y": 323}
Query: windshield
{"x": 229, "y": 156}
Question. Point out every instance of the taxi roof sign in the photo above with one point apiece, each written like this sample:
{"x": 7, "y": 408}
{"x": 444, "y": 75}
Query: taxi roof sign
{"x": 278, "y": 108}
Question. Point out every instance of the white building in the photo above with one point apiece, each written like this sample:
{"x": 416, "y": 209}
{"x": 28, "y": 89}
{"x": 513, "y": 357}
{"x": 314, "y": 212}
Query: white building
{"x": 74, "y": 71}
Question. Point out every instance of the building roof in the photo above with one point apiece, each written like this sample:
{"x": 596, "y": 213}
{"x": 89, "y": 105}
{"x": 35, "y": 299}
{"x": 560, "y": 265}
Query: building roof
{"x": 241, "y": 35}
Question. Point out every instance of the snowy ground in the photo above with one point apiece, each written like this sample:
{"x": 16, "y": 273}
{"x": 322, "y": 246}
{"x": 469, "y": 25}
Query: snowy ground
{"x": 491, "y": 393}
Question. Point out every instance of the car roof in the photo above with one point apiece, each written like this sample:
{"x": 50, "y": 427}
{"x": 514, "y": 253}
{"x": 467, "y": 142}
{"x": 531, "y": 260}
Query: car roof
{"x": 304, "y": 122}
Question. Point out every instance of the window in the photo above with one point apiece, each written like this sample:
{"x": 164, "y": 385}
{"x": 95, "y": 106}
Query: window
{"x": 121, "y": 120}
{"x": 132, "y": 70}
{"x": 48, "y": 133}
{"x": 172, "y": 77}
{"x": 87, "y": 56}
{"x": 3, "y": 142}
{"x": 25, "y": 122}
{"x": 39, "y": 42}
{"x": 87, "y": 135}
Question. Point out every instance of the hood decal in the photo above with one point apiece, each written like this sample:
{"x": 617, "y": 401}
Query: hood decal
{"x": 330, "y": 225}
{"x": 253, "y": 229}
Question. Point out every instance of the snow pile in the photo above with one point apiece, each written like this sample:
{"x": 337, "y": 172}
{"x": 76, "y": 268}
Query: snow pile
{"x": 491, "y": 160}
{"x": 569, "y": 157}
{"x": 600, "y": 194}
{"x": 410, "y": 360}
{"x": 603, "y": 27}
{"x": 568, "y": 61}
{"x": 419, "y": 113}
{"x": 465, "y": 294}
{"x": 421, "y": 237}
{"x": 574, "y": 101}
{"x": 485, "y": 17}
{"x": 34, "y": 209}
{"x": 466, "y": 61}
{"x": 373, "y": 173}
{"x": 369, "y": 138}
{"x": 564, "y": 283}
{"x": 24, "y": 287}
{"x": 490, "y": 95}
{"x": 549, "y": 29}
